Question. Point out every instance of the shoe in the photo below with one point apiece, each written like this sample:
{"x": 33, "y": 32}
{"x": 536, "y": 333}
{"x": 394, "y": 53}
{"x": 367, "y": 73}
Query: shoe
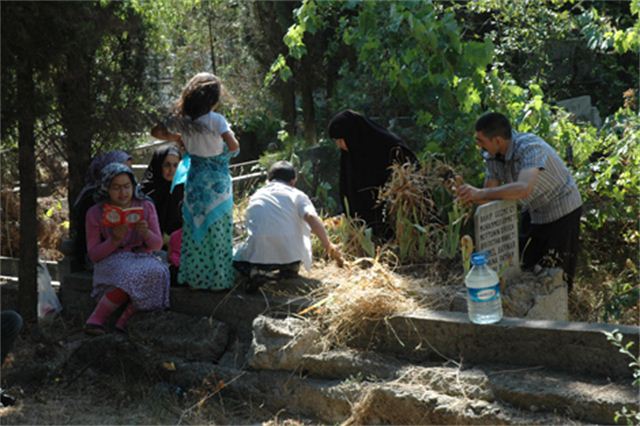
{"x": 253, "y": 284}
{"x": 7, "y": 400}
{"x": 288, "y": 274}
{"x": 94, "y": 329}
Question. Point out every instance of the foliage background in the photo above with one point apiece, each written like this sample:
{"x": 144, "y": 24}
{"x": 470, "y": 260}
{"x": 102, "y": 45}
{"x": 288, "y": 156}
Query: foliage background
{"x": 103, "y": 72}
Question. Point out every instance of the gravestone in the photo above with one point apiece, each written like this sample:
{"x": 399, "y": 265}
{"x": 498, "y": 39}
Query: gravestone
{"x": 581, "y": 107}
{"x": 496, "y": 232}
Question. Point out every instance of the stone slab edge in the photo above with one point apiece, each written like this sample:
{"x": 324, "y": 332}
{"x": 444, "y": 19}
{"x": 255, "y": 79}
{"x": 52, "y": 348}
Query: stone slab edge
{"x": 561, "y": 345}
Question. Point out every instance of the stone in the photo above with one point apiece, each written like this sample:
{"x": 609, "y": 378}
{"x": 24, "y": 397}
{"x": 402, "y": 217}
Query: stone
{"x": 434, "y": 335}
{"x": 496, "y": 232}
{"x": 281, "y": 344}
{"x": 581, "y": 107}
{"x": 552, "y": 306}
{"x": 339, "y": 364}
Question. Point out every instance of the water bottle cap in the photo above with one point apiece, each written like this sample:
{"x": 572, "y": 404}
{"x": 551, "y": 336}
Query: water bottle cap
{"x": 479, "y": 258}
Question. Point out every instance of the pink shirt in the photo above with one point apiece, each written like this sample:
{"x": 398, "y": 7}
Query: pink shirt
{"x": 100, "y": 242}
{"x": 175, "y": 243}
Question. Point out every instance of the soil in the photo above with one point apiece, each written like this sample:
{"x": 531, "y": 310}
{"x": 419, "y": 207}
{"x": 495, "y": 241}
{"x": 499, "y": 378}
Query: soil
{"x": 53, "y": 387}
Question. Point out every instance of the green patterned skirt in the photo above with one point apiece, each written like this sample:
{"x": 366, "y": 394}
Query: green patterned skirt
{"x": 207, "y": 264}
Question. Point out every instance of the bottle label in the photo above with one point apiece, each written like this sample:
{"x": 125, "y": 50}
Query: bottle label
{"x": 485, "y": 294}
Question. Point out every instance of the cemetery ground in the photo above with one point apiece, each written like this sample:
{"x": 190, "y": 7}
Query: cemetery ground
{"x": 49, "y": 391}
{"x": 49, "y": 372}
{"x": 157, "y": 374}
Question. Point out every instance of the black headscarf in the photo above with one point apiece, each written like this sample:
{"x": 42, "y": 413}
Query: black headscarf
{"x": 168, "y": 204}
{"x": 364, "y": 169}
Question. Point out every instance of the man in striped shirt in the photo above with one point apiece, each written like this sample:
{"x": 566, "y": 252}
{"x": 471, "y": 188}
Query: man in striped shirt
{"x": 523, "y": 167}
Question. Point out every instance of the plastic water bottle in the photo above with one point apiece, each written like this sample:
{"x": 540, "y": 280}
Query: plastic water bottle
{"x": 483, "y": 292}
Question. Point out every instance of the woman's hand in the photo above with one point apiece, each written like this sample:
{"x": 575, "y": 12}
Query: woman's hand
{"x": 119, "y": 233}
{"x": 142, "y": 228}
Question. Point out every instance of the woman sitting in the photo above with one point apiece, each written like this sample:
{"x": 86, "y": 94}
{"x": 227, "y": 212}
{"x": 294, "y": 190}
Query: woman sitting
{"x": 156, "y": 183}
{"x": 122, "y": 232}
{"x": 85, "y": 200}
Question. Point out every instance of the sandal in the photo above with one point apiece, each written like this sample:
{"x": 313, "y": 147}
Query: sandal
{"x": 94, "y": 329}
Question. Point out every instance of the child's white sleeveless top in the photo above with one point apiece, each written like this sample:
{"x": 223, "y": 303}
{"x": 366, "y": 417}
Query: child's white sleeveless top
{"x": 207, "y": 143}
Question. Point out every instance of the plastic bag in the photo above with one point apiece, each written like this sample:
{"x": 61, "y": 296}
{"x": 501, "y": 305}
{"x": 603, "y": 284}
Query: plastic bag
{"x": 48, "y": 303}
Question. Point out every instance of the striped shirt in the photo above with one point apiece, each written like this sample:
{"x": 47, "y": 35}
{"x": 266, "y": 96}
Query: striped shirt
{"x": 555, "y": 192}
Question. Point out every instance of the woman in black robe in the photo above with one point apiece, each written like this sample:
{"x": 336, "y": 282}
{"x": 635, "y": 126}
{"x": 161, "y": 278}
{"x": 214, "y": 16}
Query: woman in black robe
{"x": 156, "y": 183}
{"x": 366, "y": 151}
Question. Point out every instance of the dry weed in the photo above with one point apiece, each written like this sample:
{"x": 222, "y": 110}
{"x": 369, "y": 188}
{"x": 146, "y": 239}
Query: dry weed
{"x": 372, "y": 293}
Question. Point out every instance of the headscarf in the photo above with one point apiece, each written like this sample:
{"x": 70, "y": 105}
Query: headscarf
{"x": 108, "y": 173}
{"x": 364, "y": 168}
{"x": 92, "y": 178}
{"x": 168, "y": 203}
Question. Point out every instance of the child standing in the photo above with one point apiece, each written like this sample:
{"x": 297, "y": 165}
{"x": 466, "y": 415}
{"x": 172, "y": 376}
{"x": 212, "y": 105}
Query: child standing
{"x": 125, "y": 271}
{"x": 207, "y": 232}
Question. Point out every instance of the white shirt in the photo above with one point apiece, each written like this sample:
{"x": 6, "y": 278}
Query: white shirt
{"x": 208, "y": 143}
{"x": 278, "y": 233}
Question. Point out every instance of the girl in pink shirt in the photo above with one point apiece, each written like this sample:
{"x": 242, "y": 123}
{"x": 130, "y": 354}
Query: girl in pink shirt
{"x": 125, "y": 270}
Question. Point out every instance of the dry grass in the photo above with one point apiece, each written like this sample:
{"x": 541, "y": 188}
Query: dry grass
{"x": 411, "y": 211}
{"x": 351, "y": 235}
{"x": 365, "y": 291}
{"x": 53, "y": 224}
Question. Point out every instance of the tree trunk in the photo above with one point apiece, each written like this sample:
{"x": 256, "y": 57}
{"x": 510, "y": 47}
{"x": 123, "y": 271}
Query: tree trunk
{"x": 212, "y": 52}
{"x": 76, "y": 110}
{"x": 28, "y": 287}
{"x": 308, "y": 108}
{"x": 286, "y": 90}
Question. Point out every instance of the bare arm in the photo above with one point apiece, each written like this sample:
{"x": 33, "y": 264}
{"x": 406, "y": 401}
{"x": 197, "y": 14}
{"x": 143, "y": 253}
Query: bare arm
{"x": 159, "y": 131}
{"x": 491, "y": 183}
{"x": 518, "y": 190}
{"x": 231, "y": 141}
{"x": 317, "y": 227}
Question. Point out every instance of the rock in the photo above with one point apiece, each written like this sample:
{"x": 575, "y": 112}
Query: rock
{"x": 418, "y": 405}
{"x": 552, "y": 306}
{"x": 346, "y": 363}
{"x": 527, "y": 295}
{"x": 281, "y": 344}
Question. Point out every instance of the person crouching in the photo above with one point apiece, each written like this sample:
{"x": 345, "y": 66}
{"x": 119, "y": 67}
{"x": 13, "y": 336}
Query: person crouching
{"x": 279, "y": 220}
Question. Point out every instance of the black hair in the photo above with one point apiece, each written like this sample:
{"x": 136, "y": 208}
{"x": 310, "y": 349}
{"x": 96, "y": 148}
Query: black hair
{"x": 199, "y": 96}
{"x": 494, "y": 124}
{"x": 282, "y": 171}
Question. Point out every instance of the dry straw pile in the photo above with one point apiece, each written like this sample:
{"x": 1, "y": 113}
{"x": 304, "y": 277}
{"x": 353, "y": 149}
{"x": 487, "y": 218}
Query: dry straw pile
{"x": 366, "y": 291}
{"x": 369, "y": 290}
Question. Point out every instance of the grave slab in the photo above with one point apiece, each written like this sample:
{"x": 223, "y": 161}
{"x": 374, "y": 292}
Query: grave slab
{"x": 560, "y": 345}
{"x": 496, "y": 232}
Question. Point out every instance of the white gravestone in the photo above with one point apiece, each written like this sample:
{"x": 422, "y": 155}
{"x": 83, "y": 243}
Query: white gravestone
{"x": 496, "y": 232}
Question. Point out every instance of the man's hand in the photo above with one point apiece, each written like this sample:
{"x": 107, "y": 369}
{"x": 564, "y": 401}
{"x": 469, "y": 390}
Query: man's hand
{"x": 335, "y": 254}
{"x": 470, "y": 194}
